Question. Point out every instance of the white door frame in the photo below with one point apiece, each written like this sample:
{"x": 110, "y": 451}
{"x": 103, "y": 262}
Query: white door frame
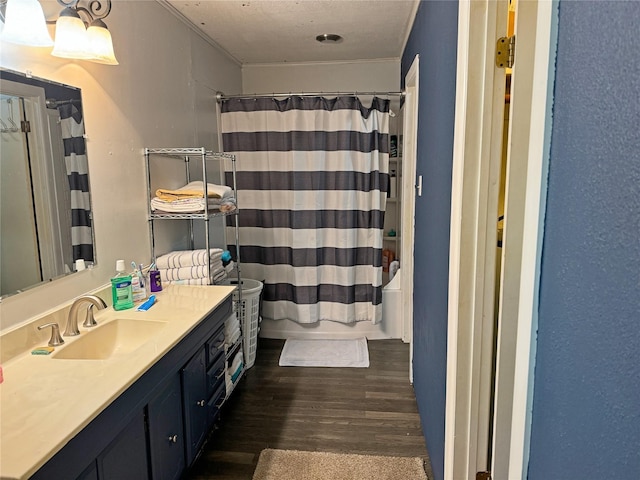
{"x": 408, "y": 202}
{"x": 470, "y": 252}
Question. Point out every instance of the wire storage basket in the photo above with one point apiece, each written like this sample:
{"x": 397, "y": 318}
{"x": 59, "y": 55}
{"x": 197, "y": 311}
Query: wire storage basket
{"x": 249, "y": 317}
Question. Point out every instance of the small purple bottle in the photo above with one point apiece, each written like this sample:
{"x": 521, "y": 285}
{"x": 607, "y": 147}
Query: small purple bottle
{"x": 155, "y": 284}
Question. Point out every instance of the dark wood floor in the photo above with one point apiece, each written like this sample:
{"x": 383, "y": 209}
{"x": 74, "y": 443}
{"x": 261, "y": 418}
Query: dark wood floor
{"x": 346, "y": 410}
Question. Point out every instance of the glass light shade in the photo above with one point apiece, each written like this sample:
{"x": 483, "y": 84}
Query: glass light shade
{"x": 25, "y": 24}
{"x": 100, "y": 43}
{"x": 71, "y": 36}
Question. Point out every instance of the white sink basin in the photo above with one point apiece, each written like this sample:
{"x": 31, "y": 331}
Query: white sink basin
{"x": 118, "y": 337}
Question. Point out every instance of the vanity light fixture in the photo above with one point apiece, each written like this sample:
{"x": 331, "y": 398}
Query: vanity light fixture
{"x": 71, "y": 36}
{"x": 80, "y": 31}
{"x": 24, "y": 24}
{"x": 75, "y": 40}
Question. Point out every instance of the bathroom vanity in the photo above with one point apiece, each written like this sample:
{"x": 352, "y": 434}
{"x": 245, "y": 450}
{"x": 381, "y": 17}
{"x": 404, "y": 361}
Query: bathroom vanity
{"x": 136, "y": 412}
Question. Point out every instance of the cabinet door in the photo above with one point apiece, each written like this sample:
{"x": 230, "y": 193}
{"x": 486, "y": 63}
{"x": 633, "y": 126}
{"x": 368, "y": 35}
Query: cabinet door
{"x": 194, "y": 391}
{"x": 166, "y": 434}
{"x": 90, "y": 473}
{"x": 126, "y": 457}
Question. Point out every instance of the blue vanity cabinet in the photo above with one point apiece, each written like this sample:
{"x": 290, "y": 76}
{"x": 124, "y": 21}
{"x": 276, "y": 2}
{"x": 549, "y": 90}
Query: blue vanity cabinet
{"x": 90, "y": 473}
{"x": 166, "y": 432}
{"x": 126, "y": 457}
{"x": 202, "y": 384}
{"x": 194, "y": 391}
{"x": 133, "y": 438}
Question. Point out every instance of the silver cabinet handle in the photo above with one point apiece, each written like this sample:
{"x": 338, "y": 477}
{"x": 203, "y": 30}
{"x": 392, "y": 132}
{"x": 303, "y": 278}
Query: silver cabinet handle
{"x": 220, "y": 375}
{"x": 173, "y": 438}
{"x": 200, "y": 403}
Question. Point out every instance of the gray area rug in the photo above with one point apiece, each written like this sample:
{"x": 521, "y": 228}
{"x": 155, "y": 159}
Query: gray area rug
{"x": 325, "y": 353}
{"x": 297, "y": 465}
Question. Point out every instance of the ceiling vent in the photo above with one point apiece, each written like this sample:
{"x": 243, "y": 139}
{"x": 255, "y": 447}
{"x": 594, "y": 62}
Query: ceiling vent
{"x": 329, "y": 38}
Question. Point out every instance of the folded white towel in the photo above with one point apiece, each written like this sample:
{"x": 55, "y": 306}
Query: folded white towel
{"x": 231, "y": 330}
{"x": 237, "y": 362}
{"x": 188, "y": 258}
{"x": 186, "y": 273}
{"x": 232, "y": 373}
{"x": 194, "y": 189}
{"x": 231, "y": 324}
{"x": 197, "y": 281}
{"x": 187, "y": 205}
{"x": 232, "y": 338}
{"x": 190, "y": 281}
{"x": 231, "y": 320}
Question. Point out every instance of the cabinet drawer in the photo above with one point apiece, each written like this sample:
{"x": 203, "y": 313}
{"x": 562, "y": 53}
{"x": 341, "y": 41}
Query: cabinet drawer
{"x": 215, "y": 402}
{"x": 215, "y": 375}
{"x": 215, "y": 347}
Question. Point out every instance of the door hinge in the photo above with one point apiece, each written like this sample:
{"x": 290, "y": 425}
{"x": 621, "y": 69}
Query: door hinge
{"x": 25, "y": 126}
{"x": 506, "y": 51}
{"x": 483, "y": 476}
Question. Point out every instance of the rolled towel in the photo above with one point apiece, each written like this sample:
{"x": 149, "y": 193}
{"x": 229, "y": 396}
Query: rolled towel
{"x": 219, "y": 276}
{"x": 228, "y": 205}
{"x": 188, "y": 258}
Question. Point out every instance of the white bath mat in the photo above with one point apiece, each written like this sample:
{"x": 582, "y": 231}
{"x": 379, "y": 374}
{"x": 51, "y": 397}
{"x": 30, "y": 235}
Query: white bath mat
{"x": 325, "y": 353}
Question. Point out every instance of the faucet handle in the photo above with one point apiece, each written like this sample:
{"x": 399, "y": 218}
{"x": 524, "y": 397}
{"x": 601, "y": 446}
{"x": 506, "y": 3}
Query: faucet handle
{"x": 90, "y": 321}
{"x": 55, "y": 339}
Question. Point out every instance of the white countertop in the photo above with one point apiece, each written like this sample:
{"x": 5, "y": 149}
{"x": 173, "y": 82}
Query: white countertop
{"x": 44, "y": 401}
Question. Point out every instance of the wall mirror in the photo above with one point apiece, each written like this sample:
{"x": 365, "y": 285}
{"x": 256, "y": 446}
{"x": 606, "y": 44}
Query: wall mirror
{"x": 45, "y": 206}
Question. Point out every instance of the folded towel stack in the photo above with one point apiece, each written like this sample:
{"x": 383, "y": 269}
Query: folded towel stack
{"x": 190, "y": 267}
{"x": 191, "y": 198}
{"x": 232, "y": 373}
{"x": 231, "y": 331}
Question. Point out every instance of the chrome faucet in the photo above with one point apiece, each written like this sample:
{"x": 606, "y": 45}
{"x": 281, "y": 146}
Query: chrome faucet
{"x": 72, "y": 320}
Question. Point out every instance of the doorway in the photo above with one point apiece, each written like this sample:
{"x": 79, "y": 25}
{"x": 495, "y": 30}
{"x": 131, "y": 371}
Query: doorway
{"x": 19, "y": 245}
{"x": 470, "y": 428}
{"x": 410, "y": 112}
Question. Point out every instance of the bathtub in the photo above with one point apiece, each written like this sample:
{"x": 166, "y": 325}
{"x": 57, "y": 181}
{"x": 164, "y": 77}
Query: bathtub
{"x": 389, "y": 327}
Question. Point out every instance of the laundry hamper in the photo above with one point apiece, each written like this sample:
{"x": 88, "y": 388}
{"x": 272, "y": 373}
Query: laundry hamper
{"x": 249, "y": 317}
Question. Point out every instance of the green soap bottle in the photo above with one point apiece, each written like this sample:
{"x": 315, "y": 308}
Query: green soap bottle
{"x": 121, "y": 290}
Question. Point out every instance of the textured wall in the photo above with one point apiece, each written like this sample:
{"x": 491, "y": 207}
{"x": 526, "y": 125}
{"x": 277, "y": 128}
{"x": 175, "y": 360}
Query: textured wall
{"x": 586, "y": 408}
{"x": 434, "y": 37}
{"x": 161, "y": 94}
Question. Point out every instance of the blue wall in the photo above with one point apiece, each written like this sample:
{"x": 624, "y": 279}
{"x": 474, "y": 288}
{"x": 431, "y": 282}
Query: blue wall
{"x": 434, "y": 37}
{"x": 586, "y": 404}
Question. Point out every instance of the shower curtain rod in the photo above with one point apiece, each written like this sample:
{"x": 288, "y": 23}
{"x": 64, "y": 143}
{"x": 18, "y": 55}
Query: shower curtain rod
{"x": 221, "y": 96}
{"x": 53, "y": 103}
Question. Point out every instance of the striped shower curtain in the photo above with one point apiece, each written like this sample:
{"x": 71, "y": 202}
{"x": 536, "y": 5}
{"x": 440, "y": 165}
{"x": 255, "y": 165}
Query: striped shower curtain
{"x": 77, "y": 168}
{"x": 312, "y": 176}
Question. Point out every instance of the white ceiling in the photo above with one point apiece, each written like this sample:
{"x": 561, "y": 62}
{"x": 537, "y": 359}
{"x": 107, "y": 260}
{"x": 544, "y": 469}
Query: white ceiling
{"x": 275, "y": 31}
